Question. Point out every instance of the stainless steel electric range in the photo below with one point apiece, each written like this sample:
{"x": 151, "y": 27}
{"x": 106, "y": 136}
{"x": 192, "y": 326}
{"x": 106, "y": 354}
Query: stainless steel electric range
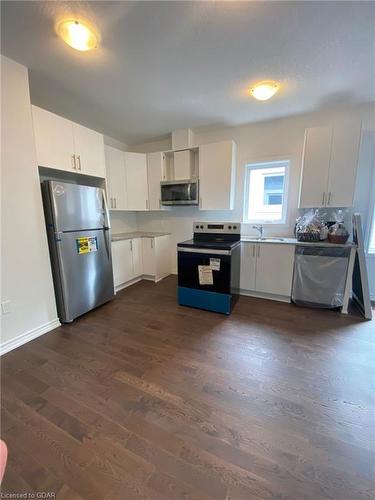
{"x": 209, "y": 266}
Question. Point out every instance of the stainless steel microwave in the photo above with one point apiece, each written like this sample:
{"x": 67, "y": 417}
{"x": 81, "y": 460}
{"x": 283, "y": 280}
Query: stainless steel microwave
{"x": 181, "y": 192}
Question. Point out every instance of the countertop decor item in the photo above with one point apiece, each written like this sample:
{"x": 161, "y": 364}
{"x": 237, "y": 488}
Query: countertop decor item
{"x": 338, "y": 233}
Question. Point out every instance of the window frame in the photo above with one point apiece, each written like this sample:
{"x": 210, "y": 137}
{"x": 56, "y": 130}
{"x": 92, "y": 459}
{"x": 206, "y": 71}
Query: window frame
{"x": 272, "y": 163}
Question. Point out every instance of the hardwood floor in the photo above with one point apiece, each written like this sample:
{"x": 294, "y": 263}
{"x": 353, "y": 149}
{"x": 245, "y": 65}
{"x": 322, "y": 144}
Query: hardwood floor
{"x": 143, "y": 399}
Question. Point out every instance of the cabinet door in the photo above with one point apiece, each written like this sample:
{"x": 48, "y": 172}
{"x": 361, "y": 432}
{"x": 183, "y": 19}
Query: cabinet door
{"x": 122, "y": 261}
{"x": 116, "y": 178}
{"x": 316, "y": 159}
{"x": 217, "y": 175}
{"x": 53, "y": 140}
{"x": 248, "y": 266}
{"x": 89, "y": 149}
{"x": 274, "y": 268}
{"x": 148, "y": 256}
{"x": 344, "y": 162}
{"x": 162, "y": 257}
{"x": 154, "y": 177}
{"x": 136, "y": 181}
{"x": 136, "y": 247}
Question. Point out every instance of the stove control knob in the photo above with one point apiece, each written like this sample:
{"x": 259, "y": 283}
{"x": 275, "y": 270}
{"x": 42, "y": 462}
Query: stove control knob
{"x": 201, "y": 227}
{"x": 229, "y": 227}
{"x": 196, "y": 227}
{"x": 234, "y": 227}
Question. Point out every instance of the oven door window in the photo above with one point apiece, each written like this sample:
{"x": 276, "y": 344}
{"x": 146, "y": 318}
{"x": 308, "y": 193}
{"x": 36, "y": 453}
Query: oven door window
{"x": 179, "y": 192}
{"x": 188, "y": 274}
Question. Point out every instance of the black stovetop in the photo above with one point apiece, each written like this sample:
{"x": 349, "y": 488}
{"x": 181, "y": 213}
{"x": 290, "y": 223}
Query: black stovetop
{"x": 210, "y": 243}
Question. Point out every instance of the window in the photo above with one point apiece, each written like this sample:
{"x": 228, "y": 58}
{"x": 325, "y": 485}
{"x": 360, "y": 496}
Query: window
{"x": 266, "y": 186}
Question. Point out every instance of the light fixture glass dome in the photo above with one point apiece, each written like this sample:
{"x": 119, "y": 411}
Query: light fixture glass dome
{"x": 77, "y": 34}
{"x": 264, "y": 90}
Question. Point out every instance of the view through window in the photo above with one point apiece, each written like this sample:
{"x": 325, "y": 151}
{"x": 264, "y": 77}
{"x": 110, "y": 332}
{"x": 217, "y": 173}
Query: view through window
{"x": 266, "y": 192}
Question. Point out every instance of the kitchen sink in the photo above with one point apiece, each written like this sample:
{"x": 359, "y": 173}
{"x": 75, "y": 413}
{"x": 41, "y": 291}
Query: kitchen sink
{"x": 270, "y": 239}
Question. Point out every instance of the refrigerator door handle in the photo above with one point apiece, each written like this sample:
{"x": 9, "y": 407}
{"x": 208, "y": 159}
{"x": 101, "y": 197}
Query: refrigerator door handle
{"x": 107, "y": 224}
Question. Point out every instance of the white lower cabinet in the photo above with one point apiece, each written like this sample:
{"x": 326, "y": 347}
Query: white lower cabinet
{"x": 122, "y": 262}
{"x": 267, "y": 268}
{"x": 156, "y": 257}
{"x": 137, "y": 257}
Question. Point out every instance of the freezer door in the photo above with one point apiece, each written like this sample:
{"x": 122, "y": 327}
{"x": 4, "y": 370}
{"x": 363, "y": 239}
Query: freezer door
{"x": 84, "y": 272}
{"x": 75, "y": 207}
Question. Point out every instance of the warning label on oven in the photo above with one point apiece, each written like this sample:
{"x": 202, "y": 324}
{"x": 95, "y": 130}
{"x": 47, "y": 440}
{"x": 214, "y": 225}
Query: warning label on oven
{"x": 215, "y": 264}
{"x": 205, "y": 275}
{"x": 87, "y": 245}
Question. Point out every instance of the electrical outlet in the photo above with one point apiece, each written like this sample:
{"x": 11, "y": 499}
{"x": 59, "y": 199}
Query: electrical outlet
{"x": 5, "y": 307}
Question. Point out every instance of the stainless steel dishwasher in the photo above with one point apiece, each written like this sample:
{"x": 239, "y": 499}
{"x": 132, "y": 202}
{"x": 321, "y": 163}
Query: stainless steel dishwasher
{"x": 320, "y": 276}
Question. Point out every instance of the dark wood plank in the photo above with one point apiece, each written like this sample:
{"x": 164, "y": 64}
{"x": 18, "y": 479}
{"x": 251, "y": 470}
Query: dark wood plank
{"x": 144, "y": 399}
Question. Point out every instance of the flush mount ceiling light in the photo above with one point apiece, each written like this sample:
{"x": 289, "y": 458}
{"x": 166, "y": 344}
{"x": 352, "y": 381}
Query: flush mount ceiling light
{"x": 77, "y": 34}
{"x": 264, "y": 90}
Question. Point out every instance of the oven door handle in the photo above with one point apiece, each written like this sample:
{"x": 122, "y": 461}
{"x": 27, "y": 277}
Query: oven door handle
{"x": 204, "y": 250}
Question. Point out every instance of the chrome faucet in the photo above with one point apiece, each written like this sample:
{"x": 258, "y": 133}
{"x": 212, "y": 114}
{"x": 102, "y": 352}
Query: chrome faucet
{"x": 260, "y": 229}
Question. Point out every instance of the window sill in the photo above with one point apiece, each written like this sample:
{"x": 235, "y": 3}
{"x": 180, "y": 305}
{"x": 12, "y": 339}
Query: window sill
{"x": 266, "y": 223}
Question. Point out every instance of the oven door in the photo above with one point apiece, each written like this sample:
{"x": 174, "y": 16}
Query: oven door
{"x": 191, "y": 276}
{"x": 179, "y": 192}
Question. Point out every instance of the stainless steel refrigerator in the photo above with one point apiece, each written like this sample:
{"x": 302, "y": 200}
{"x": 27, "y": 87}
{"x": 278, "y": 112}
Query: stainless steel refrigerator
{"x": 79, "y": 240}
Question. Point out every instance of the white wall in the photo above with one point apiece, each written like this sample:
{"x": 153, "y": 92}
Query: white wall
{"x": 282, "y": 138}
{"x": 123, "y": 222}
{"x": 26, "y": 273}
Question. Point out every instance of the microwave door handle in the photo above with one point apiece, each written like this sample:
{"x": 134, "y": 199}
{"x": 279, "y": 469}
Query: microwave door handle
{"x": 189, "y": 191}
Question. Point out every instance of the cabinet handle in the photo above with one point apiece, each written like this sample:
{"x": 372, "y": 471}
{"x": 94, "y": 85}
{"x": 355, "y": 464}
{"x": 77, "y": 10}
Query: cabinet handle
{"x": 74, "y": 162}
{"x": 258, "y": 250}
{"x": 152, "y": 243}
{"x": 146, "y": 204}
{"x": 115, "y": 202}
{"x": 324, "y": 198}
{"x": 253, "y": 250}
{"x": 329, "y": 198}
{"x": 200, "y": 202}
{"x": 79, "y": 162}
{"x": 131, "y": 245}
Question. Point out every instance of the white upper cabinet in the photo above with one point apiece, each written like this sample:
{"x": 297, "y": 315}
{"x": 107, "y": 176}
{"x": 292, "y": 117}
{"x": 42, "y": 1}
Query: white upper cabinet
{"x": 89, "y": 149}
{"x": 116, "y": 178}
{"x": 136, "y": 181}
{"x": 330, "y": 160}
{"x": 154, "y": 176}
{"x": 316, "y": 158}
{"x": 53, "y": 140}
{"x": 343, "y": 167}
{"x": 217, "y": 166}
{"x": 65, "y": 145}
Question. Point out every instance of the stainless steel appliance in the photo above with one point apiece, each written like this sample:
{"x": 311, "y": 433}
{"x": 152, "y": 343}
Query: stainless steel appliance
{"x": 209, "y": 266}
{"x": 179, "y": 192}
{"x": 320, "y": 275}
{"x": 79, "y": 240}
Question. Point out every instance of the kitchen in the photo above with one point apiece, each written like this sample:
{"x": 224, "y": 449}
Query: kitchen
{"x": 325, "y": 158}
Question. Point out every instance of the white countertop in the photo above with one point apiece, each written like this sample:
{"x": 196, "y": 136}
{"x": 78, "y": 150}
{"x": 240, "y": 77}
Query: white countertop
{"x": 137, "y": 234}
{"x": 293, "y": 241}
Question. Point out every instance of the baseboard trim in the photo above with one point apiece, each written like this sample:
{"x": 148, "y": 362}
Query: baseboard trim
{"x": 11, "y": 344}
{"x": 267, "y": 296}
{"x": 128, "y": 283}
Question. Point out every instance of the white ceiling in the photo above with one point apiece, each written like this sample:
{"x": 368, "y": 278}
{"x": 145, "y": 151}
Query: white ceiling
{"x": 168, "y": 65}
